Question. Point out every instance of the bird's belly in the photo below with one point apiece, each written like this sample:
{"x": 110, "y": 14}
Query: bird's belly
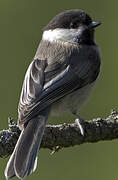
{"x": 72, "y": 102}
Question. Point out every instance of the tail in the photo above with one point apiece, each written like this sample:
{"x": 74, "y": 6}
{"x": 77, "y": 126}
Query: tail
{"x": 23, "y": 161}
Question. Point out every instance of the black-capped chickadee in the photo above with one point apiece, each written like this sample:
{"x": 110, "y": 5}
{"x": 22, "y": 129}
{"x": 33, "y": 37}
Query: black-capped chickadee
{"x": 60, "y": 78}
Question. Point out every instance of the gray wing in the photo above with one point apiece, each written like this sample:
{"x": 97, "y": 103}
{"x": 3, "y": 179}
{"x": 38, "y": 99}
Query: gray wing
{"x": 50, "y": 87}
{"x": 32, "y": 87}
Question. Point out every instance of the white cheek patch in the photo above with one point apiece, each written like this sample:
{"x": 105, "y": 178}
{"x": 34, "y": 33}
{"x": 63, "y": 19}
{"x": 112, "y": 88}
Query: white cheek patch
{"x": 68, "y": 35}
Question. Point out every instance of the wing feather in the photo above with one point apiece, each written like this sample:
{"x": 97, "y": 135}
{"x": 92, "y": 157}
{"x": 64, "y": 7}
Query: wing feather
{"x": 32, "y": 87}
{"x": 41, "y": 90}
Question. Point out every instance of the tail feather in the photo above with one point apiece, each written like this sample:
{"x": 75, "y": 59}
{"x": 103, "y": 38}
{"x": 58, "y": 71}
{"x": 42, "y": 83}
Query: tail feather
{"x": 9, "y": 170}
{"x": 28, "y": 148}
{"x": 23, "y": 161}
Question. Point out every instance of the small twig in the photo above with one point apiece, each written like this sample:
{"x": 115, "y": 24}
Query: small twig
{"x": 64, "y": 135}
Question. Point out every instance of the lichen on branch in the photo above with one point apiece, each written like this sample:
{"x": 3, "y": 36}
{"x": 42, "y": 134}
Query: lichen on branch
{"x": 64, "y": 135}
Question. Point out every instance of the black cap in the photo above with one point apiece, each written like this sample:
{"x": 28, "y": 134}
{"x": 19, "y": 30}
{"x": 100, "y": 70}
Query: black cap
{"x": 69, "y": 19}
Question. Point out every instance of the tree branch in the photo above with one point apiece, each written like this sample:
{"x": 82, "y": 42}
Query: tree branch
{"x": 64, "y": 135}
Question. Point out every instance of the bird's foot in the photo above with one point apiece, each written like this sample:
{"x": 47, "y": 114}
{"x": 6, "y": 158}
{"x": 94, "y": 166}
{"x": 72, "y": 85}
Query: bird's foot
{"x": 79, "y": 121}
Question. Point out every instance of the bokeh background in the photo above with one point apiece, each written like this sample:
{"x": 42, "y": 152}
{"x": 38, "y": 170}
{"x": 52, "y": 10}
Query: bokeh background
{"x": 21, "y": 24}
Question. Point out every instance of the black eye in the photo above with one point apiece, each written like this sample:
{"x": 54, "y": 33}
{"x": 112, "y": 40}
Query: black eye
{"x": 74, "y": 25}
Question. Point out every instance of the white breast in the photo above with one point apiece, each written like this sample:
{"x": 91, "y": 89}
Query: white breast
{"x": 73, "y": 102}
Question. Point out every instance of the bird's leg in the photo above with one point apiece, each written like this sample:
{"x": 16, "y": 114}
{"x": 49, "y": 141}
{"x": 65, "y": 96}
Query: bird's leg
{"x": 79, "y": 121}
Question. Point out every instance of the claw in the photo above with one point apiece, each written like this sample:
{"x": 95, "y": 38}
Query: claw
{"x": 79, "y": 123}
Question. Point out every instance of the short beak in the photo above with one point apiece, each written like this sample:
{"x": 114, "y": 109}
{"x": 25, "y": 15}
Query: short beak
{"x": 94, "y": 24}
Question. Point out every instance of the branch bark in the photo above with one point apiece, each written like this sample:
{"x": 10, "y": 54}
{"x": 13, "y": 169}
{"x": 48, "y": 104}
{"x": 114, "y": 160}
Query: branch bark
{"x": 64, "y": 135}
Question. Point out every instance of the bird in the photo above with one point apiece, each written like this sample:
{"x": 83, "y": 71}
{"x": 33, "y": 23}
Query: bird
{"x": 60, "y": 79}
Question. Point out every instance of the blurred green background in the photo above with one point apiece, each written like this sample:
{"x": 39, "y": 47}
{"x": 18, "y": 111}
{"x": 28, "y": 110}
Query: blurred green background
{"x": 21, "y": 24}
